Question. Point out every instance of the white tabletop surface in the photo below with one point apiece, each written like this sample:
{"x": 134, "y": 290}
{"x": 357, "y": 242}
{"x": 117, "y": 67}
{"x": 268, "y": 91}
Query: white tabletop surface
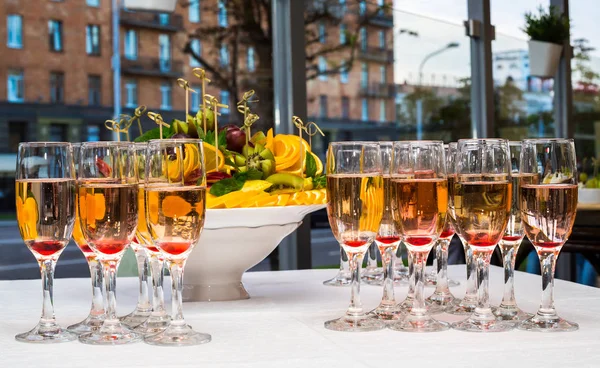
{"x": 282, "y": 326}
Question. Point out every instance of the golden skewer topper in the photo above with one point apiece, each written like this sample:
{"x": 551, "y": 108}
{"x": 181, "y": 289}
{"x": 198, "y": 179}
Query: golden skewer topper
{"x": 214, "y": 106}
{"x": 159, "y": 121}
{"x": 201, "y": 74}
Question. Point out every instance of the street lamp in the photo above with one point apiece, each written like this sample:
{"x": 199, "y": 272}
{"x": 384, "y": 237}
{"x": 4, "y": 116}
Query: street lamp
{"x": 419, "y": 106}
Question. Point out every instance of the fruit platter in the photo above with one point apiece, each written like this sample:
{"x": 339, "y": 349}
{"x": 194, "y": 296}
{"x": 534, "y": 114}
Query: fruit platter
{"x": 260, "y": 186}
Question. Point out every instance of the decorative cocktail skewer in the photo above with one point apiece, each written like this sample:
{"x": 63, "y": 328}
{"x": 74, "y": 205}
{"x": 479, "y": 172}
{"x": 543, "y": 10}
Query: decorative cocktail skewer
{"x": 159, "y": 121}
{"x": 310, "y": 132}
{"x": 137, "y": 114}
{"x": 300, "y": 125}
{"x": 214, "y": 106}
{"x": 243, "y": 108}
{"x": 186, "y": 86}
{"x": 201, "y": 74}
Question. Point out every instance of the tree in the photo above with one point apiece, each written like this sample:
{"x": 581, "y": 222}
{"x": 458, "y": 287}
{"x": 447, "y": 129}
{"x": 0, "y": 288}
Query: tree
{"x": 510, "y": 101}
{"x": 587, "y": 93}
{"x": 248, "y": 24}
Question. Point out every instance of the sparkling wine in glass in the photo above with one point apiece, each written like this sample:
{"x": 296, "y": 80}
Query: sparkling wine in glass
{"x": 97, "y": 313}
{"x": 419, "y": 206}
{"x": 481, "y": 200}
{"x": 107, "y": 201}
{"x": 45, "y": 199}
{"x": 355, "y": 208}
{"x": 387, "y": 242}
{"x": 175, "y": 189}
{"x": 510, "y": 242}
{"x": 548, "y": 209}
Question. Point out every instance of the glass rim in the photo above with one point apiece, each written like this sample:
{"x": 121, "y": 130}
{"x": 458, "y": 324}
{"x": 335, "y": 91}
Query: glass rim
{"x": 427, "y": 142}
{"x": 548, "y": 140}
{"x": 44, "y": 144}
{"x": 515, "y": 143}
{"x": 106, "y": 144}
{"x": 355, "y": 143}
{"x": 174, "y": 140}
{"x": 479, "y": 140}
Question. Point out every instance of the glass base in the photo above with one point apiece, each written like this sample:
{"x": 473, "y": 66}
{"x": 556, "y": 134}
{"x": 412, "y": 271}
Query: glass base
{"x": 386, "y": 312}
{"x": 419, "y": 323}
{"x": 431, "y": 280}
{"x": 136, "y": 318}
{"x": 547, "y": 323}
{"x": 373, "y": 276}
{"x": 46, "y": 333}
{"x": 406, "y": 305}
{"x": 111, "y": 333}
{"x": 462, "y": 307}
{"x": 156, "y": 323}
{"x": 510, "y": 313}
{"x": 178, "y": 335}
{"x": 341, "y": 279}
{"x": 90, "y": 324}
{"x": 483, "y": 321}
{"x": 438, "y": 302}
{"x": 357, "y": 323}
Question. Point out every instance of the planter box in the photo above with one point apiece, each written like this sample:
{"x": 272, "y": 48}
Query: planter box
{"x": 163, "y": 6}
{"x": 544, "y": 58}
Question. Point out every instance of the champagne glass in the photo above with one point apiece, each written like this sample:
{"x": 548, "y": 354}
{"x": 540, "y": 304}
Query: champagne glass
{"x": 143, "y": 308}
{"x": 548, "y": 208}
{"x": 45, "y": 188}
{"x": 175, "y": 212}
{"x": 510, "y": 242}
{"x": 420, "y": 193}
{"x": 97, "y": 313}
{"x": 355, "y": 208}
{"x": 107, "y": 201}
{"x": 442, "y": 297}
{"x": 481, "y": 200}
{"x": 387, "y": 242}
{"x": 158, "y": 319}
{"x": 343, "y": 277}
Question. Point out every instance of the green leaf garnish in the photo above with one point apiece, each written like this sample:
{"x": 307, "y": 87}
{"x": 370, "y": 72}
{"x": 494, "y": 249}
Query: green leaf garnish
{"x": 311, "y": 166}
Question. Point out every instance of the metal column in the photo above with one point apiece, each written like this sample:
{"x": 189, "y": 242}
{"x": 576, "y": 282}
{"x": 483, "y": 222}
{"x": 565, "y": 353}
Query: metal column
{"x": 289, "y": 73}
{"x": 563, "y": 89}
{"x": 481, "y": 32}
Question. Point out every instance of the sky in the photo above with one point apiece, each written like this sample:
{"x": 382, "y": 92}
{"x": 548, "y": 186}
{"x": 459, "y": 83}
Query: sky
{"x": 439, "y": 22}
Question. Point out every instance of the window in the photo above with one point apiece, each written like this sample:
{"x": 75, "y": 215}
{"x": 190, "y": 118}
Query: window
{"x": 345, "y": 107}
{"x": 94, "y": 3}
{"x": 382, "y": 74}
{"x": 251, "y": 62}
{"x": 197, "y": 48}
{"x": 225, "y": 101}
{"x": 164, "y": 52}
{"x": 381, "y": 37}
{"x": 322, "y": 34}
{"x": 164, "y": 19}
{"x": 58, "y": 132}
{"x": 194, "y": 11}
{"x": 131, "y": 93}
{"x": 322, "y": 106}
{"x": 165, "y": 96}
{"x": 222, "y": 15}
{"x": 343, "y": 7}
{"x": 364, "y": 75}
{"x": 380, "y": 5}
{"x": 14, "y": 24}
{"x": 92, "y": 40}
{"x": 344, "y": 74}
{"x": 224, "y": 55}
{"x": 131, "y": 45}
{"x": 93, "y": 133}
{"x": 382, "y": 117}
{"x": 16, "y": 134}
{"x": 322, "y": 68}
{"x": 343, "y": 31}
{"x": 57, "y": 87}
{"x": 364, "y": 41}
{"x": 94, "y": 90}
{"x": 362, "y": 7}
{"x": 55, "y": 35}
{"x": 365, "y": 110}
{"x": 15, "y": 86}
{"x": 195, "y": 97}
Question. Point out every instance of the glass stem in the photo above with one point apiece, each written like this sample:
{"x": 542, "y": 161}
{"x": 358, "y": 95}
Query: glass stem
{"x": 482, "y": 260}
{"x": 509, "y": 256}
{"x": 47, "y": 270}
{"x": 548, "y": 264}
{"x": 355, "y": 307}
{"x": 419, "y": 259}
{"x": 143, "y": 269}
{"x": 387, "y": 260}
{"x": 110, "y": 283}
{"x": 471, "y": 271}
{"x": 158, "y": 296}
{"x": 176, "y": 270}
{"x": 411, "y": 274}
{"x": 344, "y": 265}
{"x": 441, "y": 254}
{"x": 97, "y": 285}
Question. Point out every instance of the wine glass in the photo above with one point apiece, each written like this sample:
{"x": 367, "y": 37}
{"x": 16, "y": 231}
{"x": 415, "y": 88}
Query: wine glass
{"x": 343, "y": 277}
{"x": 107, "y": 200}
{"x": 419, "y": 206}
{"x": 548, "y": 208}
{"x": 387, "y": 242}
{"x": 175, "y": 187}
{"x": 442, "y": 297}
{"x": 355, "y": 208}
{"x": 481, "y": 200}
{"x": 97, "y": 313}
{"x": 158, "y": 319}
{"x": 45, "y": 200}
{"x": 510, "y": 242}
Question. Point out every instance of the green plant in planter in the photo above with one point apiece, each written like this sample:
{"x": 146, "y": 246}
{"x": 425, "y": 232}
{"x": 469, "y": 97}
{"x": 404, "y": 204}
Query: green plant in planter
{"x": 551, "y": 26}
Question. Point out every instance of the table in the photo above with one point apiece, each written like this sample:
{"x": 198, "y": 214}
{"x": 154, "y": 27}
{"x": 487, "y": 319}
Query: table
{"x": 282, "y": 326}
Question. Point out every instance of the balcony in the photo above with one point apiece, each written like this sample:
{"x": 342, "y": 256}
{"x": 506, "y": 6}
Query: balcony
{"x": 378, "y": 19}
{"x": 376, "y": 54}
{"x": 160, "y": 21}
{"x": 153, "y": 67}
{"x": 378, "y": 90}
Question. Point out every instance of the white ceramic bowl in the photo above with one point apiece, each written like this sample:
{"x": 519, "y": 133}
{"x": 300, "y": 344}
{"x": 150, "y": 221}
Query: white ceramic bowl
{"x": 589, "y": 195}
{"x": 233, "y": 241}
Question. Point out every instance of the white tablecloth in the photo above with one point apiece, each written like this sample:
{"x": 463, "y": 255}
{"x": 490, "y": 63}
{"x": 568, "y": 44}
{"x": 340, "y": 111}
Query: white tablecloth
{"x": 282, "y": 326}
